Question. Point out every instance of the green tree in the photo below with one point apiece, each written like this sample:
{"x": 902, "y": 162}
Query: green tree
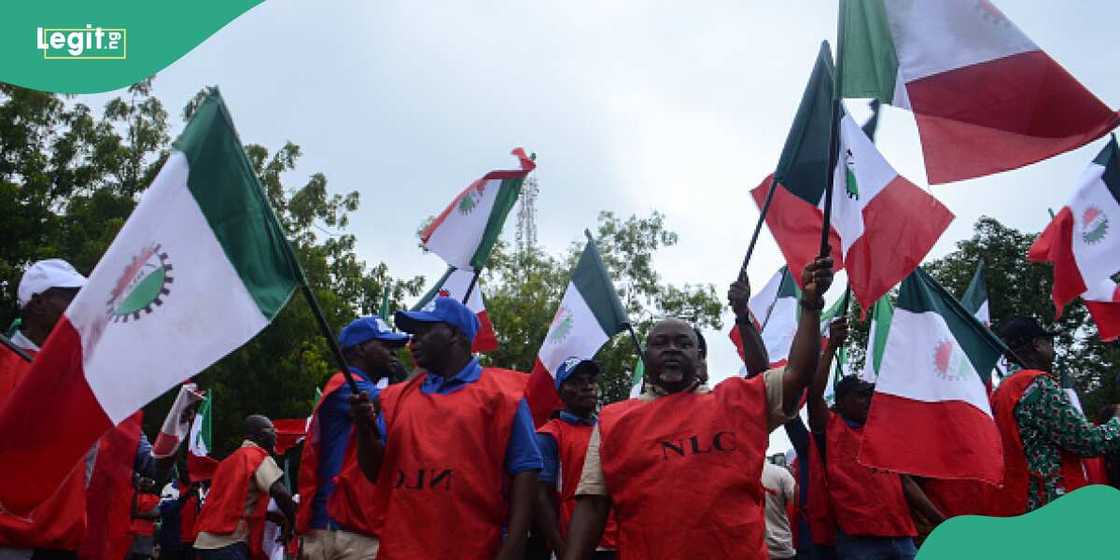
{"x": 69, "y": 180}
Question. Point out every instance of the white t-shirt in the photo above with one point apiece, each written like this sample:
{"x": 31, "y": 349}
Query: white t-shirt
{"x": 780, "y": 488}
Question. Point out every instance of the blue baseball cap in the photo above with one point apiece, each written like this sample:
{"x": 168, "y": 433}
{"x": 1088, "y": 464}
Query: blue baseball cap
{"x": 442, "y": 310}
{"x": 364, "y": 329}
{"x": 571, "y": 365}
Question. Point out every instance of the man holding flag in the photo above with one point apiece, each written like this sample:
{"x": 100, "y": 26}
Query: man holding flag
{"x": 57, "y": 525}
{"x": 150, "y": 315}
{"x": 336, "y": 513}
{"x": 681, "y": 466}
{"x": 449, "y": 444}
{"x": 1043, "y": 434}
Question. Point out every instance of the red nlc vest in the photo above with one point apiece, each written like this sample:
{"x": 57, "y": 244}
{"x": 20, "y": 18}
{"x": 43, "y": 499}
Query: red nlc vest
{"x": 571, "y": 447}
{"x": 866, "y": 502}
{"x": 144, "y": 527}
{"x": 188, "y": 519}
{"x": 442, "y": 485}
{"x": 684, "y": 472}
{"x": 1011, "y": 500}
{"x": 60, "y": 522}
{"x": 352, "y": 502}
{"x": 224, "y": 507}
{"x": 818, "y": 510}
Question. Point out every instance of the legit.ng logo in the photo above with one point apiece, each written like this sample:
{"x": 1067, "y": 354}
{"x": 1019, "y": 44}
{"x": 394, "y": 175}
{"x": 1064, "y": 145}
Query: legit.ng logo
{"x": 88, "y": 43}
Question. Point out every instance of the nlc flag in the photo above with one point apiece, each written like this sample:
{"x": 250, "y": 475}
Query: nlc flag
{"x": 986, "y": 97}
{"x": 590, "y": 313}
{"x": 454, "y": 284}
{"x": 199, "y": 268}
{"x": 882, "y": 224}
{"x": 463, "y": 235}
{"x": 930, "y": 415}
{"x": 1083, "y": 244}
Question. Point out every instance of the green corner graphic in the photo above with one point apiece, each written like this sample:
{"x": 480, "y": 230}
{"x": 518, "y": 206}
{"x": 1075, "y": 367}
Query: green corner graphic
{"x": 91, "y": 47}
{"x": 1079, "y": 525}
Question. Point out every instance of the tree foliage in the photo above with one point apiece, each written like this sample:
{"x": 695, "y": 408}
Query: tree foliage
{"x": 68, "y": 181}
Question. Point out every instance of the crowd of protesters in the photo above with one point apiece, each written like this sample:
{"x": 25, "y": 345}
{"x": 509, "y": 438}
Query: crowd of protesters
{"x": 447, "y": 463}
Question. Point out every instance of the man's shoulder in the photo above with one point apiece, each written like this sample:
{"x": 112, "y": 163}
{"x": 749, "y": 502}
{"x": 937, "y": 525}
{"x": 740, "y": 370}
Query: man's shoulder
{"x": 505, "y": 380}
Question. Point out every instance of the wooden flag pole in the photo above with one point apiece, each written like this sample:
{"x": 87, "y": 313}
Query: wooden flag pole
{"x": 15, "y": 349}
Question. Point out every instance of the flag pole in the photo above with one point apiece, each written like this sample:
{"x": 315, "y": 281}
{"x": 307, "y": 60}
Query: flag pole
{"x": 833, "y": 147}
{"x": 470, "y": 287}
{"x": 325, "y": 330}
{"x": 637, "y": 343}
{"x": 15, "y": 349}
{"x": 758, "y": 225}
{"x": 834, "y": 134}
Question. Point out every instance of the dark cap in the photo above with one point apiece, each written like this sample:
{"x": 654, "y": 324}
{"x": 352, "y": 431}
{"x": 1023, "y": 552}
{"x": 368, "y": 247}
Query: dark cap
{"x": 1018, "y": 332}
{"x": 572, "y": 365}
{"x": 852, "y": 384}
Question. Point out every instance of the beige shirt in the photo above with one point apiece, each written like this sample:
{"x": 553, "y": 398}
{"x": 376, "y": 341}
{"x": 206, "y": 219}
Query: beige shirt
{"x": 263, "y": 479}
{"x": 592, "y": 482}
{"x": 780, "y": 488}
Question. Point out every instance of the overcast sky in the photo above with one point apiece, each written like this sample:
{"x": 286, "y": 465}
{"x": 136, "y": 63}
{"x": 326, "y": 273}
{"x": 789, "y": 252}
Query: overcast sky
{"x": 631, "y": 106}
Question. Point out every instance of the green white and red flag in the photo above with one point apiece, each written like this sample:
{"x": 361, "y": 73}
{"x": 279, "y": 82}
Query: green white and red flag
{"x": 774, "y": 314}
{"x": 930, "y": 415}
{"x": 881, "y": 314}
{"x": 463, "y": 235}
{"x": 986, "y": 97}
{"x": 454, "y": 284}
{"x": 977, "y": 302}
{"x": 198, "y": 269}
{"x": 637, "y": 378}
{"x": 177, "y": 424}
{"x": 882, "y": 224}
{"x": 1083, "y": 244}
{"x": 589, "y": 314}
{"x": 200, "y": 465}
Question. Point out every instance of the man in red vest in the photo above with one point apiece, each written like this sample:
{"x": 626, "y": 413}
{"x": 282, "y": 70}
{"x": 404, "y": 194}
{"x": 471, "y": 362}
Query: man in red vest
{"x": 457, "y": 460}
{"x": 681, "y": 466}
{"x": 872, "y": 508}
{"x": 1044, "y": 435}
{"x": 145, "y": 511}
{"x": 563, "y": 444}
{"x": 344, "y": 531}
{"x": 232, "y": 519}
{"x": 56, "y": 528}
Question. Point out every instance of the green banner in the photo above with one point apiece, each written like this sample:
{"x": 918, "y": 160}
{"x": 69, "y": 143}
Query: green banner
{"x": 90, "y": 47}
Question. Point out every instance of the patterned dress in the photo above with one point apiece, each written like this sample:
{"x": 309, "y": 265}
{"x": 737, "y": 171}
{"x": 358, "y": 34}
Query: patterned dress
{"x": 1048, "y": 423}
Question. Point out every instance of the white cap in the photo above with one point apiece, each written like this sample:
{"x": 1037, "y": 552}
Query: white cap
{"x": 46, "y": 274}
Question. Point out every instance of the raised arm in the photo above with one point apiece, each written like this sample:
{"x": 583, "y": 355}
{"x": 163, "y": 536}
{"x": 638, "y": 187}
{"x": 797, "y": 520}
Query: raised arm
{"x": 804, "y": 354}
{"x": 754, "y": 351}
{"x": 370, "y": 450}
{"x": 818, "y": 409}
